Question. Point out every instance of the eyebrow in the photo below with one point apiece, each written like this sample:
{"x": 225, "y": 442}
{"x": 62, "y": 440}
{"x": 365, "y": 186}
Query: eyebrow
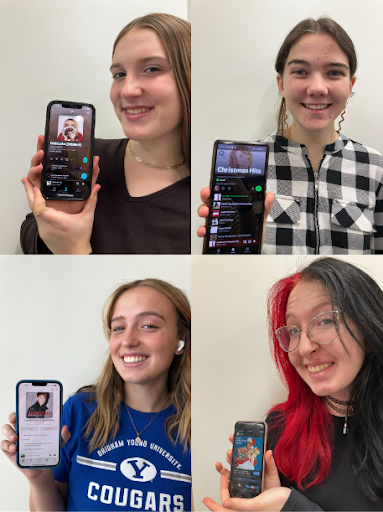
{"x": 144, "y": 313}
{"x": 143, "y": 60}
{"x": 318, "y": 306}
{"x": 326, "y": 65}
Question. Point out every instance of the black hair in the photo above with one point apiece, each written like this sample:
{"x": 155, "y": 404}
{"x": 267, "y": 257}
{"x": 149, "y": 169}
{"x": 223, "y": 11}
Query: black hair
{"x": 357, "y": 295}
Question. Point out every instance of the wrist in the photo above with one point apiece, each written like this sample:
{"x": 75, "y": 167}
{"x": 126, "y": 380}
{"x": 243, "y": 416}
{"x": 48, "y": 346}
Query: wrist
{"x": 41, "y": 479}
{"x": 79, "y": 249}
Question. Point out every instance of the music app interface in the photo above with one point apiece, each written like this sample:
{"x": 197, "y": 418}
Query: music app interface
{"x": 238, "y": 188}
{"x": 68, "y": 162}
{"x": 247, "y": 460}
{"x": 39, "y": 424}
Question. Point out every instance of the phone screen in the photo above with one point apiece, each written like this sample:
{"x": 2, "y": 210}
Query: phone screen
{"x": 238, "y": 179}
{"x": 68, "y": 151}
{"x": 38, "y": 424}
{"x": 247, "y": 463}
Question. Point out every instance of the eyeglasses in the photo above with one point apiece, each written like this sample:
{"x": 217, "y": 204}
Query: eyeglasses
{"x": 322, "y": 329}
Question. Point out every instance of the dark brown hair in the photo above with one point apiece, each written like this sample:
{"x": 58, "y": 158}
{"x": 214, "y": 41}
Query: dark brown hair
{"x": 322, "y": 25}
{"x": 175, "y": 33}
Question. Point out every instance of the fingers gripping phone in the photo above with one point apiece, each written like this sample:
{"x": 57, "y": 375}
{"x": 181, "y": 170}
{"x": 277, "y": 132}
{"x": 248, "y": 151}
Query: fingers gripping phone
{"x": 238, "y": 180}
{"x": 68, "y": 151}
{"x": 38, "y": 423}
{"x": 247, "y": 465}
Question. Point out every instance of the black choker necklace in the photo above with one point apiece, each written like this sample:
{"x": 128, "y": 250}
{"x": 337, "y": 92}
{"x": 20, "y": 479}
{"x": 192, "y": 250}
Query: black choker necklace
{"x": 349, "y": 404}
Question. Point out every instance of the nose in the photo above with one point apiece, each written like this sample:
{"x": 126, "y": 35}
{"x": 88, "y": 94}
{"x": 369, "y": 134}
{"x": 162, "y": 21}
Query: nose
{"x": 131, "y": 87}
{"x": 131, "y": 337}
{"x": 317, "y": 85}
{"x": 306, "y": 344}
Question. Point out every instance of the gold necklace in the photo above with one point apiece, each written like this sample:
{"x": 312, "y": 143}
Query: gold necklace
{"x": 152, "y": 165}
{"x": 138, "y": 439}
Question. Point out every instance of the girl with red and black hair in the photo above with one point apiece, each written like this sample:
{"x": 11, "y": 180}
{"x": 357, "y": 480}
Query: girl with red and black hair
{"x": 325, "y": 443}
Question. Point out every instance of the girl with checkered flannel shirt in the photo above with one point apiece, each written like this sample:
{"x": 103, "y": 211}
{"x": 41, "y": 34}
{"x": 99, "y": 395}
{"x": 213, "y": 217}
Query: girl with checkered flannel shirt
{"x": 328, "y": 194}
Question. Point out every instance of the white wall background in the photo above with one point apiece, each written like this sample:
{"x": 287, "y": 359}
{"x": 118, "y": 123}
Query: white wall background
{"x": 54, "y": 50}
{"x": 233, "y": 377}
{"x": 234, "y": 46}
{"x": 51, "y": 327}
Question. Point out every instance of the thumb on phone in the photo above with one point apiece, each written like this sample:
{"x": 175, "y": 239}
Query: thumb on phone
{"x": 271, "y": 473}
{"x": 65, "y": 434}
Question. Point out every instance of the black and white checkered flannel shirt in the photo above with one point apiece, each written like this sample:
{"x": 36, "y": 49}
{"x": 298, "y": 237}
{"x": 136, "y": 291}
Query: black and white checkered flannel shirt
{"x": 338, "y": 210}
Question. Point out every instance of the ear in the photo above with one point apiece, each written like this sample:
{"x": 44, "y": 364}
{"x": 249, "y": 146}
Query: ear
{"x": 180, "y": 348}
{"x": 280, "y": 85}
{"x": 352, "y": 84}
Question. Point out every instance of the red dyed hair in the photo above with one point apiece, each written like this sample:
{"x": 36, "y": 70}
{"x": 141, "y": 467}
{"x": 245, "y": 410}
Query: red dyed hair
{"x": 303, "y": 451}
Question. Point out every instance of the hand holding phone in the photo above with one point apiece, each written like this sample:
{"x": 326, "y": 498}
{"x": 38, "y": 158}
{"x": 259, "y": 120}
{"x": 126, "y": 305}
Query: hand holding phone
{"x": 273, "y": 497}
{"x": 64, "y": 226}
{"x": 38, "y": 423}
{"x": 68, "y": 151}
{"x": 8, "y": 446}
{"x": 238, "y": 184}
{"x": 33, "y": 179}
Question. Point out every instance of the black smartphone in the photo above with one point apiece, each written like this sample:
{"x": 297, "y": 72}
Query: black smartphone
{"x": 38, "y": 423}
{"x": 68, "y": 151}
{"x": 247, "y": 466}
{"x": 238, "y": 180}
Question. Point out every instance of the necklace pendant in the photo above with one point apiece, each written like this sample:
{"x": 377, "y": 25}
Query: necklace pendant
{"x": 138, "y": 439}
{"x": 345, "y": 428}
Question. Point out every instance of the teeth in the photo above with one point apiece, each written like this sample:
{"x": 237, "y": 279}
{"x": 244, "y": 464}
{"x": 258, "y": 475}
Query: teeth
{"x": 316, "y": 107}
{"x": 318, "y": 368}
{"x": 137, "y": 110}
{"x": 134, "y": 359}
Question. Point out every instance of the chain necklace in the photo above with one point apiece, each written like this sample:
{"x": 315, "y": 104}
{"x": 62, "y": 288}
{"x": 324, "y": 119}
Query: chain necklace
{"x": 138, "y": 438}
{"x": 152, "y": 165}
{"x": 349, "y": 404}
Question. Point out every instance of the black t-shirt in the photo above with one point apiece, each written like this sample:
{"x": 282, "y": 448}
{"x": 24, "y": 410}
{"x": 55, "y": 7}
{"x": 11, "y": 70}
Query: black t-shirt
{"x": 155, "y": 224}
{"x": 339, "y": 491}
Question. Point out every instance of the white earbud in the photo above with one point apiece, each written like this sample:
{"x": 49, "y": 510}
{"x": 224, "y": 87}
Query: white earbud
{"x": 181, "y": 345}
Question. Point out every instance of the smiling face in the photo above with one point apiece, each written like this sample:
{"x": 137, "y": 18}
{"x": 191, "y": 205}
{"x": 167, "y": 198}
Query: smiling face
{"x": 327, "y": 369}
{"x": 316, "y": 82}
{"x": 144, "y": 337}
{"x": 144, "y": 91}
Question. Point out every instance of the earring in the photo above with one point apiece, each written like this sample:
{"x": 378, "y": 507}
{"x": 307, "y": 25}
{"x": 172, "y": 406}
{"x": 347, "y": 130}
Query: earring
{"x": 181, "y": 345}
{"x": 284, "y": 114}
{"x": 342, "y": 118}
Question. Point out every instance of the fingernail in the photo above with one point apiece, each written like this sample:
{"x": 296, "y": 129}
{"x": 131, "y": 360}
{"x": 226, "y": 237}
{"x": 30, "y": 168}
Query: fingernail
{"x": 227, "y": 504}
{"x": 12, "y": 436}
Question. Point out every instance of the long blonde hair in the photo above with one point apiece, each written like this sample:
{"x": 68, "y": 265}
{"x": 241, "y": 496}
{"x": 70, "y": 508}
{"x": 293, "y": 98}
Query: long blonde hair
{"x": 108, "y": 392}
{"x": 175, "y": 33}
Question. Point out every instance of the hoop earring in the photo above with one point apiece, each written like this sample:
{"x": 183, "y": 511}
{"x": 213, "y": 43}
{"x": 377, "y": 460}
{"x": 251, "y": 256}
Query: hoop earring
{"x": 342, "y": 118}
{"x": 284, "y": 114}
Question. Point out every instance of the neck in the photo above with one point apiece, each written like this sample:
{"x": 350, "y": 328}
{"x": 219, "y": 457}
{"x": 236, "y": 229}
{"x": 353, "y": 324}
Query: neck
{"x": 163, "y": 151}
{"x": 146, "y": 398}
{"x": 340, "y": 409}
{"x": 315, "y": 142}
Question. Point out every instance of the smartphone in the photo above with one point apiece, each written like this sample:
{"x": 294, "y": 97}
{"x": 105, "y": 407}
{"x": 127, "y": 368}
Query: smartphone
{"x": 38, "y": 423}
{"x": 247, "y": 466}
{"x": 68, "y": 151}
{"x": 238, "y": 180}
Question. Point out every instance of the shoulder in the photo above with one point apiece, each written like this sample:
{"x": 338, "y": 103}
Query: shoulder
{"x": 270, "y": 139}
{"x": 109, "y": 147}
{"x": 79, "y": 406}
{"x": 360, "y": 153}
{"x": 275, "y": 421}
